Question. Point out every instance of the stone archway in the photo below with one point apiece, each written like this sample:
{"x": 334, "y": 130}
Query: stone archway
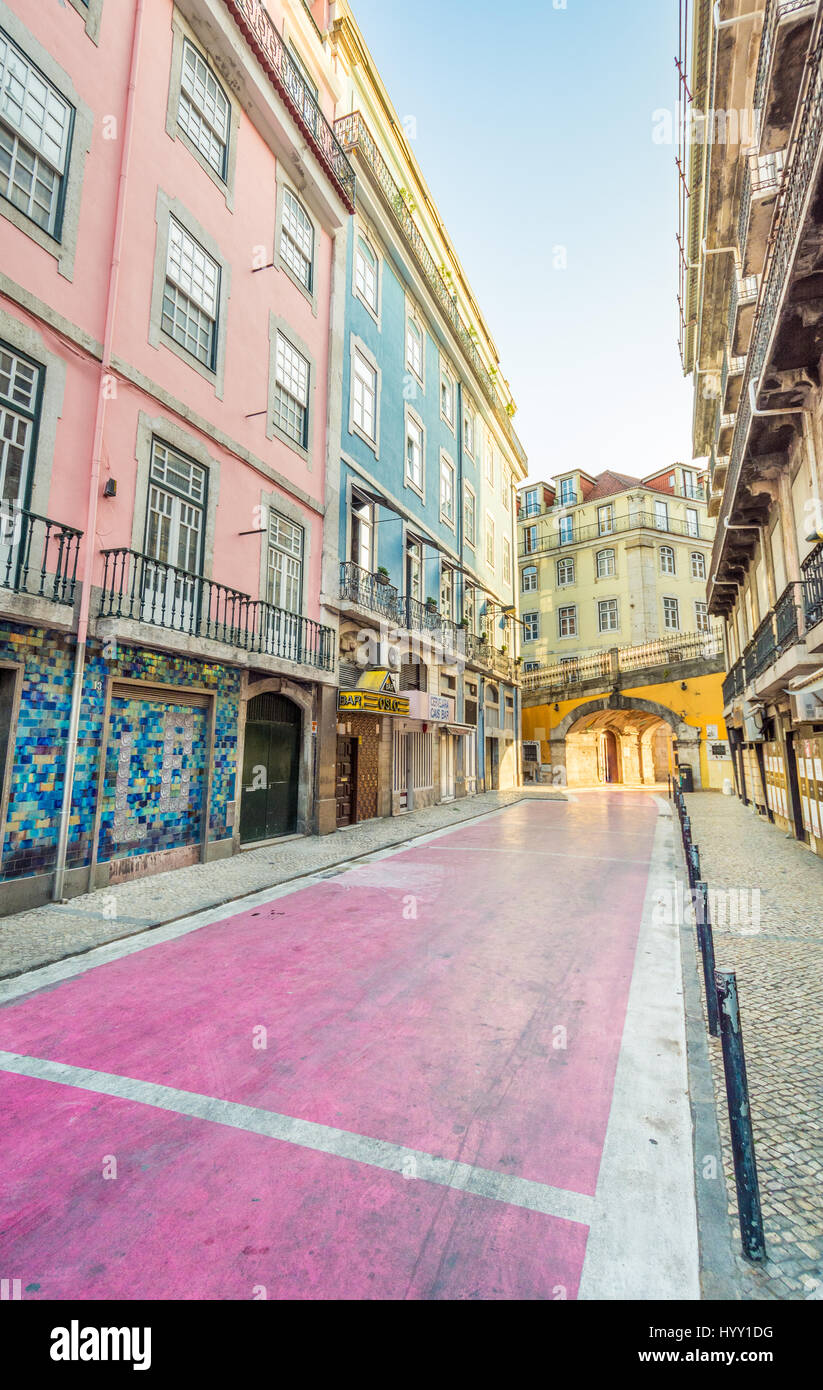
{"x": 641, "y": 727}
{"x": 303, "y": 698}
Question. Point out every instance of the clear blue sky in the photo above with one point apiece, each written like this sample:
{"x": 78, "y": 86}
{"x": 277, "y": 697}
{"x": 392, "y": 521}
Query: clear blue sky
{"x": 534, "y": 130}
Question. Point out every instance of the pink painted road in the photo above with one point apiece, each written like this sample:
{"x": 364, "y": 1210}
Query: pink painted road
{"x": 392, "y": 1083}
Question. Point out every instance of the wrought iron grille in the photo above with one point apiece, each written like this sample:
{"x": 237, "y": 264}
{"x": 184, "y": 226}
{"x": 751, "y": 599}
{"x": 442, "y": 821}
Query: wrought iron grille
{"x": 38, "y": 556}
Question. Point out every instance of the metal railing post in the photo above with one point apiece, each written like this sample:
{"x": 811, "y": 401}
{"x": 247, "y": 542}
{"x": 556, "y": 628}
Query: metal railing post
{"x": 740, "y": 1118}
{"x": 705, "y": 937}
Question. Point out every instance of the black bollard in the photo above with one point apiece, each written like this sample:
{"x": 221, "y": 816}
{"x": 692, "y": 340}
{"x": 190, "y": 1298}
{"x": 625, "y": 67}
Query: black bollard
{"x": 705, "y": 937}
{"x": 740, "y": 1118}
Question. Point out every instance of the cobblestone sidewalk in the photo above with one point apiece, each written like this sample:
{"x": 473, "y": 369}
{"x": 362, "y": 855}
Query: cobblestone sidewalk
{"x": 50, "y": 933}
{"x": 779, "y": 966}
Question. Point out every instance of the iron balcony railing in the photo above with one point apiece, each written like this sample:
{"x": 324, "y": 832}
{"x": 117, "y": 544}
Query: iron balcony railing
{"x": 354, "y": 134}
{"x": 368, "y": 590}
{"x": 787, "y": 618}
{"x": 552, "y": 539}
{"x": 38, "y": 556}
{"x": 255, "y": 22}
{"x": 733, "y": 684}
{"x": 760, "y": 176}
{"x": 749, "y": 663}
{"x": 812, "y": 568}
{"x": 775, "y": 11}
{"x": 605, "y": 665}
{"x": 137, "y": 587}
{"x": 793, "y": 201}
{"x": 765, "y": 645}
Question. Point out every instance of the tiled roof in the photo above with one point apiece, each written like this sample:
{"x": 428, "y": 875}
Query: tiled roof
{"x": 609, "y": 484}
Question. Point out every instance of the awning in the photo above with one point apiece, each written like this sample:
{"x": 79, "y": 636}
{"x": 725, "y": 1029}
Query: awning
{"x": 459, "y": 728}
{"x": 810, "y": 685}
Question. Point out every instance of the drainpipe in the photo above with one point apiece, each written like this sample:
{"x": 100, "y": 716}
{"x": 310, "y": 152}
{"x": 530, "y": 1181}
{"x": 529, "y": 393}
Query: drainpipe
{"x": 96, "y": 462}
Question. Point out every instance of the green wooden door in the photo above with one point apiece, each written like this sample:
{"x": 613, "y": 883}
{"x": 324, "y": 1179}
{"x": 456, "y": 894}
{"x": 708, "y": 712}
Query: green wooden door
{"x": 271, "y": 765}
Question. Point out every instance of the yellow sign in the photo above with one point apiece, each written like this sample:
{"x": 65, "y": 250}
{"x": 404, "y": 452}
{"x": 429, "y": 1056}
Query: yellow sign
{"x": 383, "y": 681}
{"x": 370, "y": 702}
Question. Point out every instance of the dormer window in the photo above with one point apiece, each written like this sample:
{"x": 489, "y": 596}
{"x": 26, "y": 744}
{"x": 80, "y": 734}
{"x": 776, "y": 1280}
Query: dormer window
{"x": 568, "y": 493}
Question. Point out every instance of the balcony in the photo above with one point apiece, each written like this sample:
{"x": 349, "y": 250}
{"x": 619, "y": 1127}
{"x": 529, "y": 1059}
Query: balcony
{"x": 38, "y": 557}
{"x": 369, "y": 591}
{"x": 777, "y": 653}
{"x": 548, "y": 538}
{"x": 140, "y": 589}
{"x": 812, "y": 568}
{"x": 354, "y": 134}
{"x": 253, "y": 19}
{"x": 761, "y": 185}
{"x": 741, "y": 313}
{"x": 620, "y": 665}
{"x": 733, "y": 685}
{"x": 786, "y": 30}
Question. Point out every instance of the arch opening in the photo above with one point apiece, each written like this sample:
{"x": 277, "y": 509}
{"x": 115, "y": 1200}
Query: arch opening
{"x": 618, "y": 747}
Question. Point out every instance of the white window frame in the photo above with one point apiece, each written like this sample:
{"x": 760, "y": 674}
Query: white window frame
{"x": 563, "y": 619}
{"x": 693, "y": 523}
{"x": 360, "y": 278}
{"x": 529, "y": 572}
{"x": 605, "y": 519}
{"x": 413, "y": 326}
{"x": 608, "y": 608}
{"x": 698, "y": 571}
{"x": 702, "y": 620}
{"x": 470, "y": 535}
{"x": 490, "y": 534}
{"x": 531, "y": 541}
{"x": 195, "y": 278}
{"x": 297, "y": 240}
{"x": 531, "y": 505}
{"x": 568, "y": 492}
{"x": 490, "y": 461}
{"x": 671, "y": 605}
{"x": 531, "y": 627}
{"x": 206, "y": 125}
{"x": 447, "y": 471}
{"x": 507, "y": 560}
{"x": 364, "y": 385}
{"x": 469, "y": 429}
{"x": 414, "y": 425}
{"x": 28, "y": 139}
{"x": 667, "y": 554}
{"x": 605, "y": 573}
{"x": 450, "y": 393}
{"x": 563, "y": 568}
{"x": 292, "y": 390}
{"x": 566, "y": 525}
{"x": 288, "y": 573}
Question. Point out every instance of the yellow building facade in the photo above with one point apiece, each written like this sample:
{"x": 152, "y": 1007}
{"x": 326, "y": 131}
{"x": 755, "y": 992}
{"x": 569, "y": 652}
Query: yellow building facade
{"x": 622, "y": 670}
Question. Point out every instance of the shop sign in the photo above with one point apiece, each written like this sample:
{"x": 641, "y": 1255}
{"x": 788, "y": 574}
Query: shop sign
{"x": 371, "y": 702}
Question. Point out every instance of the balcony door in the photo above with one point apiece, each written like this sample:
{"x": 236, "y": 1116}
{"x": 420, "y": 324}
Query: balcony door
{"x": 174, "y": 540}
{"x": 19, "y": 404}
{"x": 362, "y": 532}
{"x": 284, "y": 589}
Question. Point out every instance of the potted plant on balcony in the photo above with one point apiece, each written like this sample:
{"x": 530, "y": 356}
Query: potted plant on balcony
{"x": 431, "y": 604}
{"x": 464, "y": 623}
{"x": 382, "y": 576}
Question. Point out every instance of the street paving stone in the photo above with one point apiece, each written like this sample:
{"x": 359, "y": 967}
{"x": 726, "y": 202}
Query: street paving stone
{"x": 43, "y": 935}
{"x": 779, "y": 967}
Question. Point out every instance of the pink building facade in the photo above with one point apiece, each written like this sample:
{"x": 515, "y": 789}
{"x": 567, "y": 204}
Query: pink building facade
{"x": 173, "y": 216}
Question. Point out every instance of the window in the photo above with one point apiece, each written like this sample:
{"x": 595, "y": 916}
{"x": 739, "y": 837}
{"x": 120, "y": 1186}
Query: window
{"x": 698, "y": 565}
{"x": 362, "y": 531}
{"x": 566, "y": 530}
{"x": 691, "y": 487}
{"x": 468, "y": 430}
{"x": 297, "y": 239}
{"x": 661, "y": 516}
{"x": 530, "y": 539}
{"x": 531, "y": 627}
{"x": 529, "y": 579}
{"x": 701, "y": 614}
{"x": 365, "y": 274}
{"x": 568, "y": 496}
{"x": 565, "y": 573}
{"x": 532, "y": 503}
{"x": 607, "y": 615}
{"x": 414, "y": 348}
{"x": 507, "y": 560}
{"x": 671, "y": 614}
{"x": 531, "y": 666}
{"x": 303, "y": 70}
{"x": 469, "y": 516}
{"x": 605, "y": 520}
{"x": 35, "y": 137}
{"x": 285, "y": 567}
{"x": 605, "y": 564}
{"x": 692, "y": 521}
{"x": 204, "y": 111}
{"x": 447, "y": 398}
{"x": 490, "y": 541}
{"x": 364, "y": 396}
{"x": 567, "y": 621}
{"x": 174, "y": 529}
{"x": 447, "y": 592}
{"x": 19, "y": 403}
{"x": 291, "y": 392}
{"x": 490, "y": 461}
{"x": 414, "y": 568}
{"x": 191, "y": 295}
{"x": 667, "y": 563}
{"x": 447, "y": 491}
{"x": 414, "y": 453}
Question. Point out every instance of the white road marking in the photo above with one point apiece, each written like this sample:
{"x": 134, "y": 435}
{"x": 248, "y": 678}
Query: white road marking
{"x": 643, "y": 1242}
{"x": 305, "y": 1134}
